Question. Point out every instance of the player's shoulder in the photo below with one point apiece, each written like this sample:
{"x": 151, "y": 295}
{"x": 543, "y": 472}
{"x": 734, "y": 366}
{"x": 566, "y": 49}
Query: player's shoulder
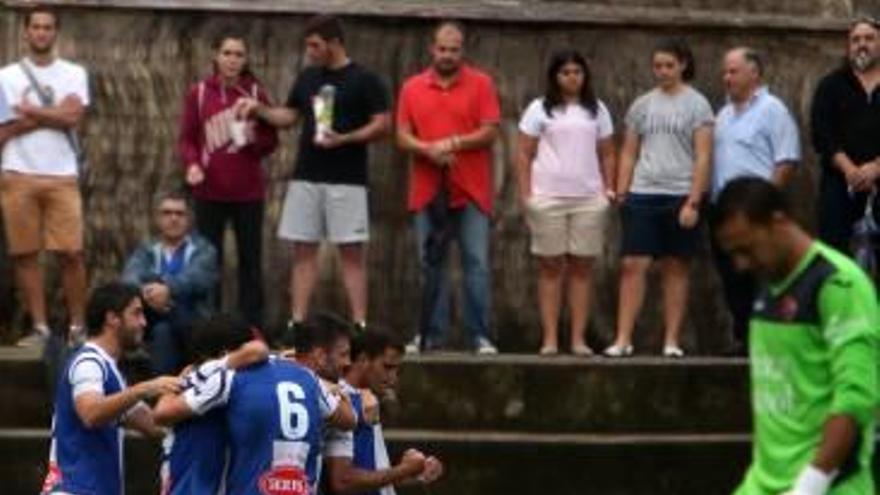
{"x": 841, "y": 272}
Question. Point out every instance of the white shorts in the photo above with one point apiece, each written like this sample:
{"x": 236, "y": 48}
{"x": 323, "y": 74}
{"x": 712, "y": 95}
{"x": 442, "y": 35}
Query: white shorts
{"x": 314, "y": 212}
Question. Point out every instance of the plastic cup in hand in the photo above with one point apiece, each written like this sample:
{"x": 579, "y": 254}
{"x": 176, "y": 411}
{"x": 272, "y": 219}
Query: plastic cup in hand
{"x": 238, "y": 133}
{"x": 322, "y": 106}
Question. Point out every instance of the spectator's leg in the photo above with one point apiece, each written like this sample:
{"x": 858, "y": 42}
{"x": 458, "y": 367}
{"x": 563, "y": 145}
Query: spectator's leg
{"x": 302, "y": 222}
{"x": 303, "y": 276}
{"x": 64, "y": 227}
{"x": 348, "y": 227}
{"x": 354, "y": 275}
{"x": 739, "y": 294}
{"x": 211, "y": 217}
{"x": 837, "y": 213}
{"x": 164, "y": 347}
{"x": 247, "y": 221}
{"x": 434, "y": 312}
{"x": 473, "y": 240}
{"x": 580, "y": 285}
{"x": 30, "y": 281}
{"x": 73, "y": 280}
{"x": 550, "y": 274}
{"x": 676, "y": 283}
{"x": 23, "y": 222}
{"x": 633, "y": 270}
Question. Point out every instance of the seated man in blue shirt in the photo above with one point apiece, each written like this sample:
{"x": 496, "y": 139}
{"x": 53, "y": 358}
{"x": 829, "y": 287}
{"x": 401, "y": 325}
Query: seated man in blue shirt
{"x": 755, "y": 135}
{"x": 176, "y": 273}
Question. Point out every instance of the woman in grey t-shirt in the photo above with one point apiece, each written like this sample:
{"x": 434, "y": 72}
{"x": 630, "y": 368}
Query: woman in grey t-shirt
{"x": 663, "y": 174}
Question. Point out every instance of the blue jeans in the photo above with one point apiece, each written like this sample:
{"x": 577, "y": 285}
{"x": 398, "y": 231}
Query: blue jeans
{"x": 470, "y": 227}
{"x": 168, "y": 338}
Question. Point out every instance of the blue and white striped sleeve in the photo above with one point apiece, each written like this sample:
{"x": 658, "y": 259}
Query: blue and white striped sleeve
{"x": 208, "y": 386}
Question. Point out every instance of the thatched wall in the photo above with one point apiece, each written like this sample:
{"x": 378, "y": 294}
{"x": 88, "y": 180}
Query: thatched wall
{"x": 141, "y": 61}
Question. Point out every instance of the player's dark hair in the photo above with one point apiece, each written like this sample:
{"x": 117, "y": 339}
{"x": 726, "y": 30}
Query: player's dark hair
{"x": 112, "y": 297}
{"x": 553, "y": 92}
{"x": 448, "y": 23}
{"x": 41, "y": 9}
{"x": 754, "y": 58}
{"x": 755, "y": 198}
{"x": 373, "y": 343}
{"x": 327, "y": 27}
{"x": 320, "y": 330}
{"x": 218, "y": 334}
{"x": 679, "y": 49}
{"x": 175, "y": 195}
{"x": 232, "y": 32}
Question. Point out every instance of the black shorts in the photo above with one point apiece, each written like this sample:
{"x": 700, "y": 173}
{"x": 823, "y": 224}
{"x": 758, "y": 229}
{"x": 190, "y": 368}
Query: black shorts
{"x": 650, "y": 227}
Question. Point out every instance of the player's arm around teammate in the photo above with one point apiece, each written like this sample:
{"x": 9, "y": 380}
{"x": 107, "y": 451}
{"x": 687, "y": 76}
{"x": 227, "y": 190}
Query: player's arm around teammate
{"x": 96, "y": 410}
{"x": 173, "y": 408}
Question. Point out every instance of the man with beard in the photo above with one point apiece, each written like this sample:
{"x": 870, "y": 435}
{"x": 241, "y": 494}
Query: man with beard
{"x": 93, "y": 402}
{"x": 813, "y": 346}
{"x": 447, "y": 118}
{"x": 42, "y": 206}
{"x": 845, "y": 124}
{"x": 195, "y": 451}
{"x": 357, "y": 462}
{"x": 275, "y": 413}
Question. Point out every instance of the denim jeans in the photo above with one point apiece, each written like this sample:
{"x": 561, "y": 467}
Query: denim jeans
{"x": 470, "y": 227}
{"x": 168, "y": 338}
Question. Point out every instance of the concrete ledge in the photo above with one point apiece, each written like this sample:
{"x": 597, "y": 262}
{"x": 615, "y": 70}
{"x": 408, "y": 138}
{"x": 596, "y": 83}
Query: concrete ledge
{"x": 485, "y": 462}
{"x": 520, "y": 11}
{"x": 508, "y": 392}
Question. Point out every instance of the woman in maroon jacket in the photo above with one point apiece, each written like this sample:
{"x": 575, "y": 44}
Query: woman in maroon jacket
{"x": 223, "y": 158}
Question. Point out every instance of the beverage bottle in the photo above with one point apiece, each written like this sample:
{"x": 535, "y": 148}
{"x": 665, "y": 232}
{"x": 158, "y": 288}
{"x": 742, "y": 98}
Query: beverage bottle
{"x": 322, "y": 105}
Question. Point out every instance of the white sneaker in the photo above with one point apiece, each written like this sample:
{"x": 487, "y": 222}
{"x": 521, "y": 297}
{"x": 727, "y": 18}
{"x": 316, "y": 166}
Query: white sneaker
{"x": 484, "y": 347}
{"x": 37, "y": 337}
{"x": 76, "y": 336}
{"x": 672, "y": 351}
{"x": 618, "y": 350}
{"x": 413, "y": 346}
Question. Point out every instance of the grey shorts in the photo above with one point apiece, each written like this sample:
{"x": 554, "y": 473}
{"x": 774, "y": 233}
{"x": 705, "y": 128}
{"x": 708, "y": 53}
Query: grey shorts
{"x": 314, "y": 212}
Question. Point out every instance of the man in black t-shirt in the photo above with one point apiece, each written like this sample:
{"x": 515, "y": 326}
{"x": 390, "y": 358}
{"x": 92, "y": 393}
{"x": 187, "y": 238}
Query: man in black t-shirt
{"x": 343, "y": 107}
{"x": 845, "y": 123}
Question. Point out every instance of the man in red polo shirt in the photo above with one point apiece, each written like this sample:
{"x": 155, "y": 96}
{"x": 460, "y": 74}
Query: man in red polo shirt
{"x": 447, "y": 118}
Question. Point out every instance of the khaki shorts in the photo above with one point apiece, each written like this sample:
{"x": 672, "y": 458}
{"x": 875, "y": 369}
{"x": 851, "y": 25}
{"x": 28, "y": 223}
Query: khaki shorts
{"x": 574, "y": 226}
{"x": 41, "y": 212}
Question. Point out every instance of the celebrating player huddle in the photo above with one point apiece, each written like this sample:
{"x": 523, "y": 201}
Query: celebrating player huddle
{"x": 243, "y": 421}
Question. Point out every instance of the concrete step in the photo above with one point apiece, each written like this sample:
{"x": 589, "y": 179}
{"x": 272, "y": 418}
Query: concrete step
{"x": 507, "y": 393}
{"x": 483, "y": 462}
{"x": 574, "y": 395}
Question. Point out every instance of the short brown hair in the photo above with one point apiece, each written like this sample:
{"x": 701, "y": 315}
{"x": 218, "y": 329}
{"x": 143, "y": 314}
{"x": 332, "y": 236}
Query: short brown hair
{"x": 41, "y": 9}
{"x": 327, "y": 27}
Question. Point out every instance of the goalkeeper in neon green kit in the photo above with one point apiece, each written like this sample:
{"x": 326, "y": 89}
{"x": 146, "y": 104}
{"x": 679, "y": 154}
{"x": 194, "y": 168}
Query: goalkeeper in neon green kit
{"x": 813, "y": 342}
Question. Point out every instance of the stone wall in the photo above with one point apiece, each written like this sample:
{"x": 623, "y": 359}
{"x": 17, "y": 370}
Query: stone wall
{"x": 141, "y": 61}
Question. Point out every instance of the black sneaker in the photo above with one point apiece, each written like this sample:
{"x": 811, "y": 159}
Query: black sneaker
{"x": 288, "y": 337}
{"x": 358, "y": 328}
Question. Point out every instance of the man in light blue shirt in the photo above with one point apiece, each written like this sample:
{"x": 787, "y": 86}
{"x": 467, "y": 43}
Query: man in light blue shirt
{"x": 755, "y": 135}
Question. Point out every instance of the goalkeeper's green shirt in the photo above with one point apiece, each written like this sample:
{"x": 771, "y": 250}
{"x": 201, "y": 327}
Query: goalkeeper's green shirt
{"x": 814, "y": 353}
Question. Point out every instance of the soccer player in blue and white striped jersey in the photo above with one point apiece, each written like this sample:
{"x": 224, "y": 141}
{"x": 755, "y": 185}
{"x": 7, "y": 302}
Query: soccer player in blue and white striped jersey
{"x": 93, "y": 402}
{"x": 195, "y": 453}
{"x": 359, "y": 463}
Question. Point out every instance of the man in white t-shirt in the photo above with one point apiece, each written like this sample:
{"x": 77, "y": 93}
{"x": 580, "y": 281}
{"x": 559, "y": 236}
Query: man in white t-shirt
{"x": 42, "y": 207}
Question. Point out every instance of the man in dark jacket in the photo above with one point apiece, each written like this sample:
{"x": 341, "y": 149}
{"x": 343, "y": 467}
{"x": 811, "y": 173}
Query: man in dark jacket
{"x": 176, "y": 273}
{"x": 845, "y": 124}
